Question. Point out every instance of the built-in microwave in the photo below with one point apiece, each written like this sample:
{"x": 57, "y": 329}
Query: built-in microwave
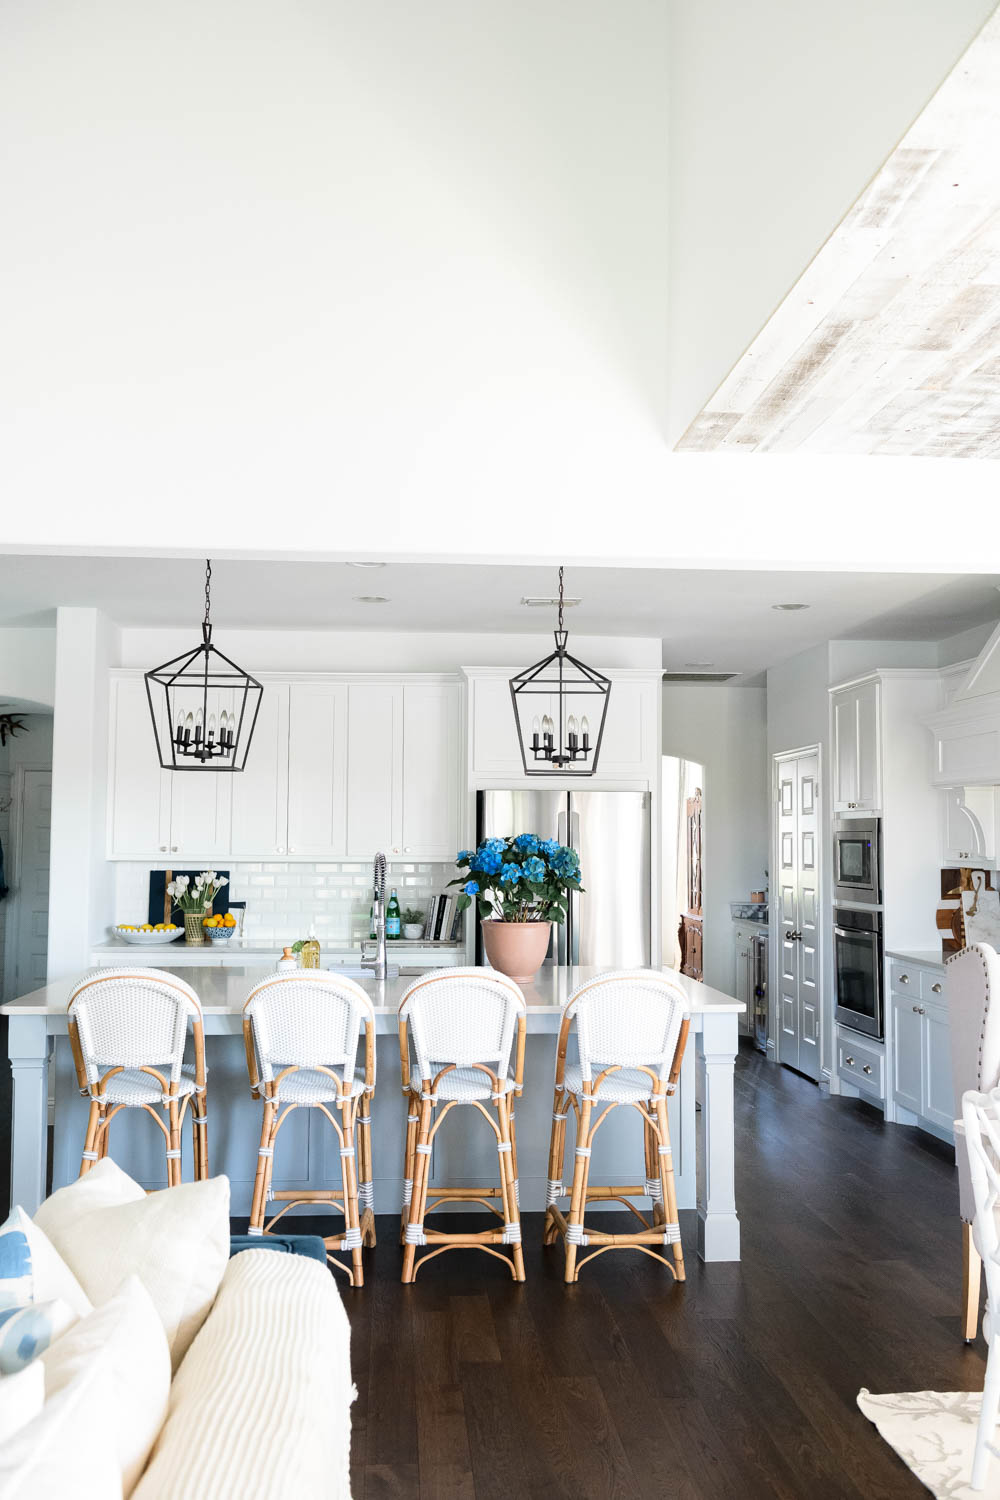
{"x": 857, "y": 861}
{"x": 857, "y": 968}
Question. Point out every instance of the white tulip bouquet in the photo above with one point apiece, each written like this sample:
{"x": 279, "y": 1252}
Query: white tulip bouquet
{"x": 196, "y": 897}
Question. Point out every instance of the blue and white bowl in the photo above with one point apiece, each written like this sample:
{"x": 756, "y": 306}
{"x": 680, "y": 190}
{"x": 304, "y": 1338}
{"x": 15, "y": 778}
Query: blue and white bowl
{"x": 219, "y": 934}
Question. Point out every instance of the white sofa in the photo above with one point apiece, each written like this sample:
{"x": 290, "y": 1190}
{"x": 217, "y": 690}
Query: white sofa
{"x": 194, "y": 1373}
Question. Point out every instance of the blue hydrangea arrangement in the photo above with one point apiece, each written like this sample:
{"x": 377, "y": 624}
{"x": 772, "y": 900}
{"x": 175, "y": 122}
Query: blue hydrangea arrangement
{"x": 520, "y": 879}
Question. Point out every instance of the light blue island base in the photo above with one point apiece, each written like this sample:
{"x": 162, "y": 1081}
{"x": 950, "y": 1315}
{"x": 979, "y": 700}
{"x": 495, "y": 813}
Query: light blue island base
{"x": 308, "y": 1151}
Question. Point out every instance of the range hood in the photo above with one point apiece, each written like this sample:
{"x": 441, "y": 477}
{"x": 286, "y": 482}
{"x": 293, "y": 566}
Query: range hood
{"x": 967, "y": 732}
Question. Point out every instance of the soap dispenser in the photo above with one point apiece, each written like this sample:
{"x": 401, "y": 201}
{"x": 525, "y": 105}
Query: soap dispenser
{"x": 287, "y": 963}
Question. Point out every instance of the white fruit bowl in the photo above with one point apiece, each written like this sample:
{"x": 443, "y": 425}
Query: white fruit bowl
{"x": 145, "y": 939}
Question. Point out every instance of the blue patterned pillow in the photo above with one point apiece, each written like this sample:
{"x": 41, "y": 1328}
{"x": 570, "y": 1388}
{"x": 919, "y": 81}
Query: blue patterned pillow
{"x": 16, "y": 1278}
{"x": 26, "y": 1332}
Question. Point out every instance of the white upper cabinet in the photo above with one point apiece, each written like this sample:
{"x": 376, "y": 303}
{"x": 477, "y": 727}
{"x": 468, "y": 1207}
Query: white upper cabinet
{"x": 201, "y": 805}
{"x": 374, "y": 768}
{"x": 966, "y": 752}
{"x": 493, "y": 742}
{"x": 857, "y": 761}
{"x": 317, "y": 770}
{"x": 139, "y": 791}
{"x": 431, "y": 821}
{"x": 970, "y": 826}
{"x": 260, "y": 793}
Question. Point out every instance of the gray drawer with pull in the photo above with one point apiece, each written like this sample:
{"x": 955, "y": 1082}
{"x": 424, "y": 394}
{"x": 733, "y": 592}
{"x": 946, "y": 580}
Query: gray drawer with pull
{"x": 910, "y": 979}
{"x": 861, "y": 1062}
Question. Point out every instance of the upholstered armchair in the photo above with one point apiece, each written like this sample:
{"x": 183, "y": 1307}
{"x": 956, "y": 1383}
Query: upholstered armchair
{"x": 974, "y": 1012}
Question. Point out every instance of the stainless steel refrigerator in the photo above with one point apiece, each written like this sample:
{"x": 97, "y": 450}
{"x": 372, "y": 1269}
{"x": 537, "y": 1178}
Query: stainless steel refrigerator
{"x": 608, "y": 923}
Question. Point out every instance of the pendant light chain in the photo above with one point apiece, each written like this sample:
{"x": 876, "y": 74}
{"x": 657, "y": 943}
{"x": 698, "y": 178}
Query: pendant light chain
{"x": 208, "y": 592}
{"x": 560, "y": 598}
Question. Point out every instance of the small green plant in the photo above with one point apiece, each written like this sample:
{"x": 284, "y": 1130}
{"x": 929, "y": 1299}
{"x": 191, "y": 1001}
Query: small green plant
{"x": 411, "y": 917}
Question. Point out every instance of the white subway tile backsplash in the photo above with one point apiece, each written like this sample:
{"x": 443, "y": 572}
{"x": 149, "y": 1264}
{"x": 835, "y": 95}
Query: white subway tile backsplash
{"x": 284, "y": 900}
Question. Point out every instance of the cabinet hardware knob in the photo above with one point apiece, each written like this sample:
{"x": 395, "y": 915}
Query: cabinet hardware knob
{"x": 916, "y": 1012}
{"x": 163, "y": 848}
{"x": 904, "y": 978}
{"x": 920, "y": 1010}
{"x": 406, "y": 848}
{"x": 173, "y": 848}
{"x": 935, "y": 989}
{"x": 867, "y": 1068}
{"x": 849, "y": 1061}
{"x": 280, "y": 849}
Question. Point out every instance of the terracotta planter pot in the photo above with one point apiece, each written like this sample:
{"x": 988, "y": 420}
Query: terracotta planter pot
{"x": 193, "y": 930}
{"x": 516, "y": 948}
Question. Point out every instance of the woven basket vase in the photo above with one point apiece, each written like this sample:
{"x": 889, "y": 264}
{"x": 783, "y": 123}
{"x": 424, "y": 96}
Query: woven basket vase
{"x": 193, "y": 930}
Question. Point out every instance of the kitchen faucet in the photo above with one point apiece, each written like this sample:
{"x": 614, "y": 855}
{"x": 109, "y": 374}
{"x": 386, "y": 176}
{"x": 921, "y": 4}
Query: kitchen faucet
{"x": 377, "y": 963}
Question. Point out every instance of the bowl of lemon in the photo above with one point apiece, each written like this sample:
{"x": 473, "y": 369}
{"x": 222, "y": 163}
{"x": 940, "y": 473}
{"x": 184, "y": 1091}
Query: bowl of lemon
{"x": 147, "y": 933}
{"x": 219, "y": 929}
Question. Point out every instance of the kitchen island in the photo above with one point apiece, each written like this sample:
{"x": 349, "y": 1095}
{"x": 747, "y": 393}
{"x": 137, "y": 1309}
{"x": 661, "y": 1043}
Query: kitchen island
{"x": 701, "y": 1113}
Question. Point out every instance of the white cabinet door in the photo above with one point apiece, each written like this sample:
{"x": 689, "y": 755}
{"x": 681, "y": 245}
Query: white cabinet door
{"x": 627, "y": 729}
{"x": 374, "y": 769}
{"x": 494, "y": 747}
{"x": 430, "y": 776}
{"x": 907, "y": 1053}
{"x": 970, "y": 823}
{"x": 938, "y": 1100}
{"x": 201, "y": 806}
{"x": 856, "y": 749}
{"x": 966, "y": 754}
{"x": 317, "y": 770}
{"x": 138, "y": 790}
{"x": 260, "y": 792}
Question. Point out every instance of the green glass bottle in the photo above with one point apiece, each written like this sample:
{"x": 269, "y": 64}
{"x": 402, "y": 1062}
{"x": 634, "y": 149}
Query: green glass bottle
{"x": 392, "y": 925}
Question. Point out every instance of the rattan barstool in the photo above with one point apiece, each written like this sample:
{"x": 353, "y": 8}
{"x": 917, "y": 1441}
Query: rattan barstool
{"x": 631, "y": 1028}
{"x": 462, "y": 1023}
{"x": 302, "y": 1033}
{"x": 127, "y": 1032}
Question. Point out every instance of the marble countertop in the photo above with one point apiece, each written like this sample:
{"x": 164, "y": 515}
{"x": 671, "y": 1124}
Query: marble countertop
{"x": 222, "y": 992}
{"x": 926, "y": 958}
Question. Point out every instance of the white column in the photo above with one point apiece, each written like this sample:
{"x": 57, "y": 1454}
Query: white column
{"x": 718, "y": 1225}
{"x": 28, "y": 1048}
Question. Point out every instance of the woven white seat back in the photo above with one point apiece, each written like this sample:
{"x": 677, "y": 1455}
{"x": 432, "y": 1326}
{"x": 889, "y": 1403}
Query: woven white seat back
{"x": 628, "y": 1017}
{"x": 132, "y": 1018}
{"x": 462, "y": 1016}
{"x": 309, "y": 1019}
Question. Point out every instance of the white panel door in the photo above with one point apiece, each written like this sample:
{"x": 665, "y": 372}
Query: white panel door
{"x": 631, "y": 712}
{"x": 201, "y": 809}
{"x": 317, "y": 770}
{"x": 938, "y": 1095}
{"x": 799, "y": 982}
{"x": 493, "y": 733}
{"x": 260, "y": 792}
{"x": 907, "y": 1053}
{"x": 374, "y": 769}
{"x": 28, "y": 920}
{"x": 845, "y": 751}
{"x": 138, "y": 790}
{"x": 857, "y": 749}
{"x": 869, "y": 747}
{"x": 430, "y": 776}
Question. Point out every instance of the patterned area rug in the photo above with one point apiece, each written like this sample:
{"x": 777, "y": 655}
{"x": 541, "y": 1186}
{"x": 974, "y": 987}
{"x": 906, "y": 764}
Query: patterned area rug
{"x": 934, "y": 1433}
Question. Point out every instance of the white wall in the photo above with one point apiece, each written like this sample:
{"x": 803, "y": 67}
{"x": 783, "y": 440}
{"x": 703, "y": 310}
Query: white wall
{"x": 780, "y": 113}
{"x": 81, "y": 886}
{"x": 382, "y": 651}
{"x": 28, "y": 665}
{"x": 724, "y": 728}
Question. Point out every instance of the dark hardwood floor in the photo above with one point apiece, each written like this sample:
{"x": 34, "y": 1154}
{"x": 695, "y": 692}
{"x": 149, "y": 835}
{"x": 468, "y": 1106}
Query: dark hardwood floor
{"x": 739, "y": 1383}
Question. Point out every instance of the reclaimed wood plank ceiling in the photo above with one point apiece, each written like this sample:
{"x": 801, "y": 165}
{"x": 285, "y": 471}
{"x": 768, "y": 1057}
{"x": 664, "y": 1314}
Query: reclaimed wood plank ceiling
{"x": 889, "y": 343}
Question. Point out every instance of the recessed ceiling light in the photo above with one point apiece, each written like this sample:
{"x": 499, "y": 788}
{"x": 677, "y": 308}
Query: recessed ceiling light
{"x": 534, "y": 601}
{"x": 370, "y": 599}
{"x": 789, "y": 606}
{"x": 366, "y": 564}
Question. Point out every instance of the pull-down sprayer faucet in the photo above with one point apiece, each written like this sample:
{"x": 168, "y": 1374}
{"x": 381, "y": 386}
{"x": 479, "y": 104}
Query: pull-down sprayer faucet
{"x": 377, "y": 963}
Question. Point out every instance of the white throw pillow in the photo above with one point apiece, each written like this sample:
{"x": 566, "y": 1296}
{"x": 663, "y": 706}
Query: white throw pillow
{"x": 31, "y": 1269}
{"x": 175, "y": 1241}
{"x": 22, "y": 1397}
{"x": 25, "y": 1332}
{"x": 104, "y": 1186}
{"x": 68, "y": 1449}
{"x": 127, "y": 1336}
{"x": 261, "y": 1407}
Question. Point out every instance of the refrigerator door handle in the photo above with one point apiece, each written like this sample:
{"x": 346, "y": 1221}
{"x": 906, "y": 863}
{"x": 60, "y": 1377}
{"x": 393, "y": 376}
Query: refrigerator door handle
{"x": 573, "y": 932}
{"x": 564, "y": 929}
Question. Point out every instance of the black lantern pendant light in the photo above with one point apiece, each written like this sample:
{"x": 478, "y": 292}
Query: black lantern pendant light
{"x": 563, "y": 738}
{"x": 204, "y": 707}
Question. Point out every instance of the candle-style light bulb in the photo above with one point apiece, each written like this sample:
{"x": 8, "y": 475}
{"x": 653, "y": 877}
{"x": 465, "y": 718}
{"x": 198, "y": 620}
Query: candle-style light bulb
{"x": 188, "y": 729}
{"x": 585, "y": 731}
{"x": 572, "y": 727}
{"x": 199, "y": 727}
{"x": 211, "y": 729}
{"x": 535, "y": 730}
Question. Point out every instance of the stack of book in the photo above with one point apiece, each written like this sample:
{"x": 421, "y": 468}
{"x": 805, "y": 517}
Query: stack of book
{"x": 443, "y": 923}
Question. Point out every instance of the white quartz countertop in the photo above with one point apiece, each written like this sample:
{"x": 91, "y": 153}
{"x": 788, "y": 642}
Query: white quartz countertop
{"x": 222, "y": 992}
{"x": 926, "y": 958}
{"x": 252, "y": 948}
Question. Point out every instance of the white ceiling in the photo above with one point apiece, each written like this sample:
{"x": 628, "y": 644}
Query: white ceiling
{"x": 702, "y": 616}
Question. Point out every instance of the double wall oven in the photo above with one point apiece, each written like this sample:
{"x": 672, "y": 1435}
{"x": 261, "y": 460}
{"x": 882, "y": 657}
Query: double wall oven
{"x": 857, "y": 924}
